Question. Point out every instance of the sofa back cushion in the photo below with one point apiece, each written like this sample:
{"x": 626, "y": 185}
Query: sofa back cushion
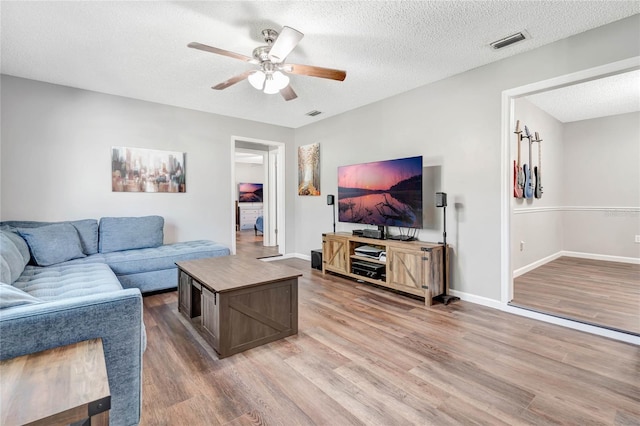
{"x": 20, "y": 243}
{"x": 51, "y": 244}
{"x": 11, "y": 296}
{"x": 87, "y": 231}
{"x": 13, "y": 257}
{"x": 129, "y": 233}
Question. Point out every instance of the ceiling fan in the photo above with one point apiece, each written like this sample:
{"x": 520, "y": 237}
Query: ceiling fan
{"x": 271, "y": 76}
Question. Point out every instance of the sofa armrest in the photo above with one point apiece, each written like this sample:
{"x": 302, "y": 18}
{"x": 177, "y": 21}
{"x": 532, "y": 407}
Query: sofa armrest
{"x": 115, "y": 317}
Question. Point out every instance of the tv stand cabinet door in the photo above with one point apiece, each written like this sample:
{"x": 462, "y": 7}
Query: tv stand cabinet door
{"x": 335, "y": 251}
{"x": 406, "y": 271}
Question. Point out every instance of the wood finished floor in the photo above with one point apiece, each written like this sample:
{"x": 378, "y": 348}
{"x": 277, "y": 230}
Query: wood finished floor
{"x": 592, "y": 291}
{"x": 365, "y": 356}
{"x": 250, "y": 244}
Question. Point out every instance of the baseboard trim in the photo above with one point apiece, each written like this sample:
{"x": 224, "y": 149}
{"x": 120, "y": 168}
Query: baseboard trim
{"x": 561, "y": 253}
{"x": 536, "y": 264}
{"x": 478, "y": 300}
{"x": 574, "y": 325}
{"x": 605, "y": 257}
{"x": 306, "y": 257}
{"x": 284, "y": 256}
{"x": 288, "y": 256}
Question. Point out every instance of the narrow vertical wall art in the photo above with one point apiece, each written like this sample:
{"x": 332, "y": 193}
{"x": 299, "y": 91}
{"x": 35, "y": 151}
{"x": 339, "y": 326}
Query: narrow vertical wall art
{"x": 309, "y": 169}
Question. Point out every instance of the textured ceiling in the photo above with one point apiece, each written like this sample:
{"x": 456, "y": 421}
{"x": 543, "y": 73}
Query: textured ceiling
{"x": 138, "y": 49}
{"x": 618, "y": 94}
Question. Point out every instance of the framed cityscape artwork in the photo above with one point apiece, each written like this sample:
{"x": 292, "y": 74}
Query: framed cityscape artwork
{"x": 147, "y": 170}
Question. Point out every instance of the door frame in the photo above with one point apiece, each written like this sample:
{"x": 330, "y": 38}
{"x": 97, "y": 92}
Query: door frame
{"x": 508, "y": 123}
{"x": 277, "y": 225}
{"x": 506, "y": 196}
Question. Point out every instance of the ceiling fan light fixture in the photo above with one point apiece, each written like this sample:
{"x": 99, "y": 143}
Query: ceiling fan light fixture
{"x": 271, "y": 76}
{"x": 281, "y": 80}
{"x": 270, "y": 85}
{"x": 257, "y": 79}
{"x": 275, "y": 82}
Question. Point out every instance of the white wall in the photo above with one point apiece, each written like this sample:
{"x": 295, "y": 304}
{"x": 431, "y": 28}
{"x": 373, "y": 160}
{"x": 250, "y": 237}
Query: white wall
{"x": 602, "y": 171}
{"x": 540, "y": 229}
{"x": 456, "y": 124}
{"x": 591, "y": 189}
{"x": 56, "y": 144}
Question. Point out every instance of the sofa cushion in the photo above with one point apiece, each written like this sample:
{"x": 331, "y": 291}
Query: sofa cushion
{"x": 51, "y": 244}
{"x": 11, "y": 296}
{"x": 63, "y": 281}
{"x": 155, "y": 259}
{"x": 12, "y": 259}
{"x": 11, "y": 233}
{"x": 87, "y": 231}
{"x": 128, "y": 233}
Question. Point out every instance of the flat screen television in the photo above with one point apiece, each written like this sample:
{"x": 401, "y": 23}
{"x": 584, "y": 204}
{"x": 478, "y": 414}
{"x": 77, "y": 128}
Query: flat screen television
{"x": 249, "y": 192}
{"x": 383, "y": 193}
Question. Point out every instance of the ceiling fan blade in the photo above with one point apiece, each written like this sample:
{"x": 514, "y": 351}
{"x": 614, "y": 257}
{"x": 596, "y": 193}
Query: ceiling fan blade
{"x": 315, "y": 71}
{"x": 287, "y": 40}
{"x": 233, "y": 80}
{"x": 288, "y": 94}
{"x": 223, "y": 52}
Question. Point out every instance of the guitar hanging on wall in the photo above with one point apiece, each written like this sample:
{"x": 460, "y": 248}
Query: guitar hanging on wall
{"x": 518, "y": 175}
{"x": 528, "y": 185}
{"x": 537, "y": 171}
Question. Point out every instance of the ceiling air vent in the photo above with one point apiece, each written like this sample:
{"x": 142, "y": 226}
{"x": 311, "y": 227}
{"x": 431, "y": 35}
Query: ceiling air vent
{"x": 313, "y": 113}
{"x": 507, "y": 41}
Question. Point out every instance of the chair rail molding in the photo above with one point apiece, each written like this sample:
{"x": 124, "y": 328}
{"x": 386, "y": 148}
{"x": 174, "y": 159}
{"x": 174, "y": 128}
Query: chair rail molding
{"x": 617, "y": 210}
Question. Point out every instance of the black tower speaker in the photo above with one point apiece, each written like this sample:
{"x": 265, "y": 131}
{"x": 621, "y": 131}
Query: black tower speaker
{"x": 330, "y": 200}
{"x": 441, "y": 199}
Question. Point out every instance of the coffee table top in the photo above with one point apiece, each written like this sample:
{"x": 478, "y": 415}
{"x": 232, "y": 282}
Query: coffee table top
{"x": 64, "y": 381}
{"x": 228, "y": 273}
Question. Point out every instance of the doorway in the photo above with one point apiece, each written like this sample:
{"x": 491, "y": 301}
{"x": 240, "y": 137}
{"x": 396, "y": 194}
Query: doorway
{"x": 566, "y": 225}
{"x": 257, "y": 179}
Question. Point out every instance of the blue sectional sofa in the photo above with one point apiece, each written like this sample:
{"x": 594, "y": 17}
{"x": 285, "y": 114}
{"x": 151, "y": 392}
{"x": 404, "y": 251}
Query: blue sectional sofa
{"x": 131, "y": 246}
{"x": 67, "y": 282}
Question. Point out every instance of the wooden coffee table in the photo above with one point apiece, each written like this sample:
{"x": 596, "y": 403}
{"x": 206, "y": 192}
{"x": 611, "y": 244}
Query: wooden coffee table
{"x": 60, "y": 386}
{"x": 238, "y": 303}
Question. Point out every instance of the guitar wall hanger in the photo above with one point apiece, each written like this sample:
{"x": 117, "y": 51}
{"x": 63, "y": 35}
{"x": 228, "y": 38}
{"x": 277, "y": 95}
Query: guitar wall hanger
{"x": 537, "y": 139}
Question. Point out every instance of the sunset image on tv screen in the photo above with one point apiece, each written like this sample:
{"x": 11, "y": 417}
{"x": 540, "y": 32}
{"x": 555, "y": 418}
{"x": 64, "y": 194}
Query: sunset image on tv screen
{"x": 385, "y": 193}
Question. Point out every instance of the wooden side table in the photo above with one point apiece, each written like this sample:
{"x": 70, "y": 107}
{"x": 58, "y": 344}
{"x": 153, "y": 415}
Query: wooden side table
{"x": 61, "y": 386}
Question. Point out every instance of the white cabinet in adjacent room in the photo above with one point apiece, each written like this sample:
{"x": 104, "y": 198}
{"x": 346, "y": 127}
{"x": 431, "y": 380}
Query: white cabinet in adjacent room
{"x": 249, "y": 212}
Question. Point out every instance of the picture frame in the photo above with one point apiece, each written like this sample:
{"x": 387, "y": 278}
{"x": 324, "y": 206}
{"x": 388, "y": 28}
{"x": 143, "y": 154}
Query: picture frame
{"x": 309, "y": 170}
{"x": 147, "y": 170}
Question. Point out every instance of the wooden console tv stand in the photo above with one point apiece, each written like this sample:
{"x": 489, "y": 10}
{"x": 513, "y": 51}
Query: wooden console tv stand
{"x": 413, "y": 267}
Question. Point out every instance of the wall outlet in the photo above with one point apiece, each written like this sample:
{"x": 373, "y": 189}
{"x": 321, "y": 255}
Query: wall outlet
{"x": 522, "y": 245}
{"x": 638, "y": 239}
